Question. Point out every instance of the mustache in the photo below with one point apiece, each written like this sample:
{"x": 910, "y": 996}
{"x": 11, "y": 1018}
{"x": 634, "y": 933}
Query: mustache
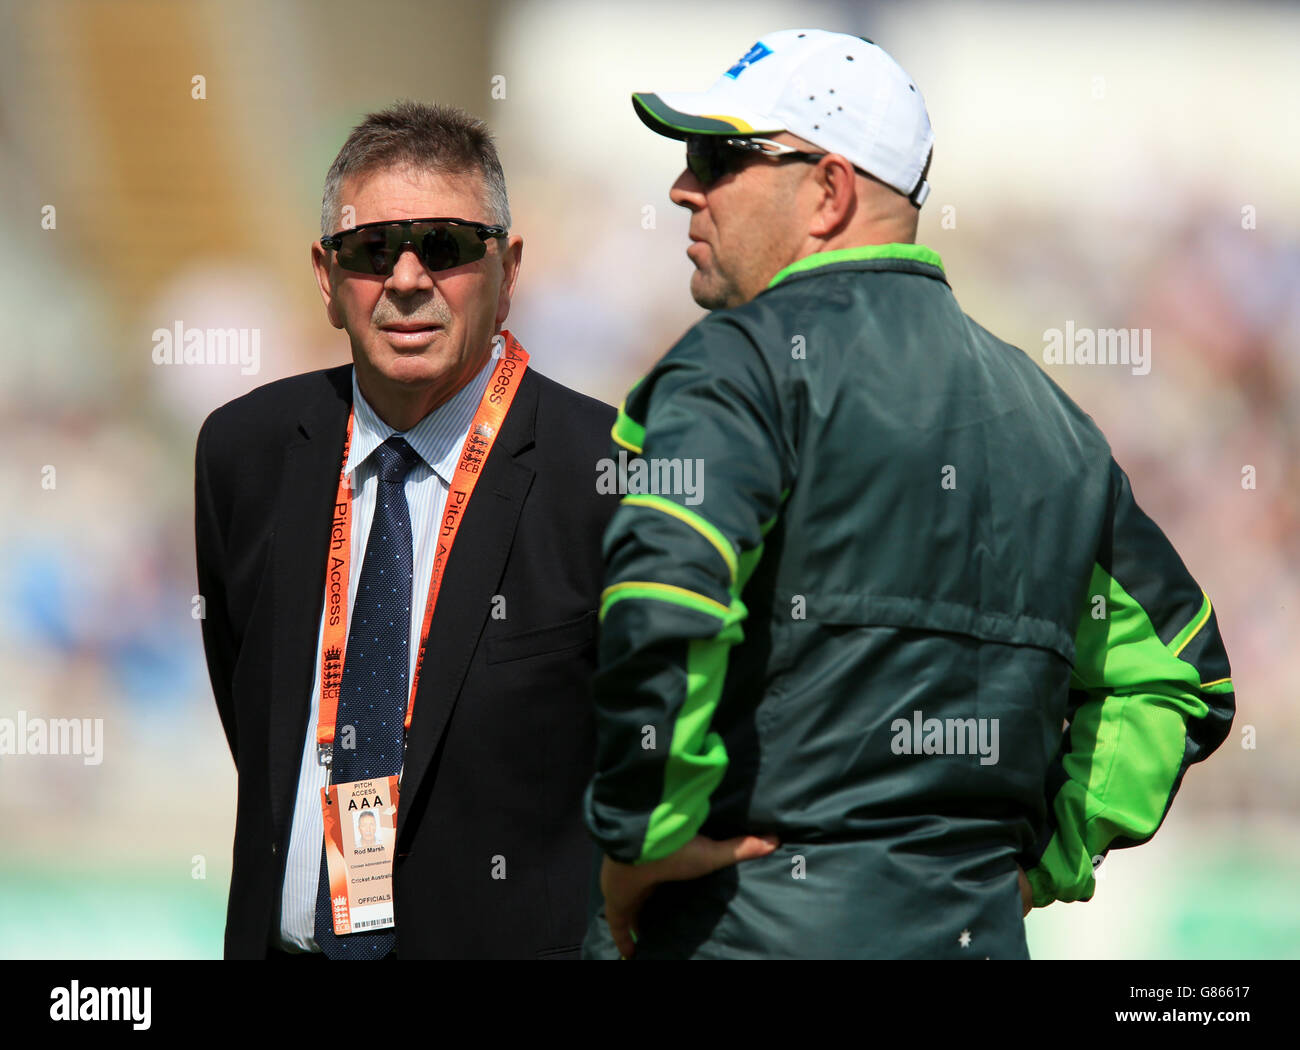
{"x": 428, "y": 313}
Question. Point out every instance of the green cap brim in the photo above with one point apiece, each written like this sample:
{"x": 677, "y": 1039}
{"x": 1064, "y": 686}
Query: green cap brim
{"x": 660, "y": 117}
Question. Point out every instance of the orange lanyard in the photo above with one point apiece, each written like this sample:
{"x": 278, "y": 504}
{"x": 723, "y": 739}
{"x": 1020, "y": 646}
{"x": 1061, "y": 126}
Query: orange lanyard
{"x": 483, "y": 432}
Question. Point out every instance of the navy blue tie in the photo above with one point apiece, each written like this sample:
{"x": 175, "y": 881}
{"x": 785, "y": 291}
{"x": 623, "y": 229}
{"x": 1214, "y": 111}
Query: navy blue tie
{"x": 374, "y": 690}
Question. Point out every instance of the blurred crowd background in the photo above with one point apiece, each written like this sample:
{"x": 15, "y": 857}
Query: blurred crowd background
{"x": 1110, "y": 166}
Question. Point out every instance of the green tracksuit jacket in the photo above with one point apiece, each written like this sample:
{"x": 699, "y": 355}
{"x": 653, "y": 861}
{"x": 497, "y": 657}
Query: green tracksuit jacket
{"x": 871, "y": 561}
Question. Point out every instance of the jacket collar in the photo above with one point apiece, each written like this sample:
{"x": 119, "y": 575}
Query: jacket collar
{"x": 913, "y": 258}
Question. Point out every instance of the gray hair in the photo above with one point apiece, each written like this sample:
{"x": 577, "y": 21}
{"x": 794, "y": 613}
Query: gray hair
{"x": 435, "y": 138}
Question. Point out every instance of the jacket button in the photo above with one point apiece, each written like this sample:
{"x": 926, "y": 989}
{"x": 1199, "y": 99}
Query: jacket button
{"x": 274, "y": 849}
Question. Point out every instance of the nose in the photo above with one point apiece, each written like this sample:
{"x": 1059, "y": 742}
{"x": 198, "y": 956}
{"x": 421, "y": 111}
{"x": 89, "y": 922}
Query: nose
{"x": 687, "y": 191}
{"x": 409, "y": 274}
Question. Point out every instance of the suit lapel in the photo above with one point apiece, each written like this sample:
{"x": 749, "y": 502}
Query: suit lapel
{"x": 308, "y": 486}
{"x": 473, "y": 575}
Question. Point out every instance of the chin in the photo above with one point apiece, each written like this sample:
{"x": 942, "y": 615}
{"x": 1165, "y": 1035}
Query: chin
{"x": 412, "y": 370}
{"x": 706, "y": 295}
{"x": 701, "y": 291}
{"x": 714, "y": 290}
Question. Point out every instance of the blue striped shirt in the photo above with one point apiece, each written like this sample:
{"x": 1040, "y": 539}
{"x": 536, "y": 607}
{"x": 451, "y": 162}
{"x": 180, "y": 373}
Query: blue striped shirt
{"x": 438, "y": 438}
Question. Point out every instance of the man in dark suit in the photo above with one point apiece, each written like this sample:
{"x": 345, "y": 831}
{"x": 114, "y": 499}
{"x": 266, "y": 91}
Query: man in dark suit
{"x": 492, "y": 859}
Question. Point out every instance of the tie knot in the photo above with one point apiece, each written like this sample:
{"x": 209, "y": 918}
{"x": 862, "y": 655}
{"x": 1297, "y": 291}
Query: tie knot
{"x": 396, "y": 458}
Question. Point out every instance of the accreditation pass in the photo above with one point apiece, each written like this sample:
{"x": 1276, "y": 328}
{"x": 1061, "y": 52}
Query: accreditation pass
{"x": 360, "y": 841}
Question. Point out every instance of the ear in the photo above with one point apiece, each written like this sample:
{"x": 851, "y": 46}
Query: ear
{"x": 836, "y": 182}
{"x": 320, "y": 263}
{"x": 511, "y": 257}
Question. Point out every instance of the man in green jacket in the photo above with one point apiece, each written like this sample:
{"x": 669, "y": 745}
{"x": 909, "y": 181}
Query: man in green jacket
{"x": 869, "y": 562}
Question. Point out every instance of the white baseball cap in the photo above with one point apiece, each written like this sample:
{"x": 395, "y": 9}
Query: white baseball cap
{"x": 842, "y": 93}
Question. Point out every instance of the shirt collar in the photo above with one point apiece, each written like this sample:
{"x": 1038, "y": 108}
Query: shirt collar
{"x": 916, "y": 253}
{"x": 437, "y": 438}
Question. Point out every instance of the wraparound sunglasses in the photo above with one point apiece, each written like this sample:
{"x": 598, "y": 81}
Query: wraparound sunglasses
{"x": 710, "y": 157}
{"x": 441, "y": 244}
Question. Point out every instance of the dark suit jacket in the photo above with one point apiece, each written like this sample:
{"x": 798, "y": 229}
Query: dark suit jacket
{"x": 502, "y": 740}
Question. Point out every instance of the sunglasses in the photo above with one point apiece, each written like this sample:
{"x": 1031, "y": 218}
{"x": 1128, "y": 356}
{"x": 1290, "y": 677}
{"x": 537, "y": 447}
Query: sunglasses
{"x": 441, "y": 244}
{"x": 710, "y": 157}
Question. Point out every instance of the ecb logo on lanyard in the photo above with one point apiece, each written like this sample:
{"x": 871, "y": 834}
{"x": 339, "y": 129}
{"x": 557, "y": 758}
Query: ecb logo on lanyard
{"x": 477, "y": 446}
